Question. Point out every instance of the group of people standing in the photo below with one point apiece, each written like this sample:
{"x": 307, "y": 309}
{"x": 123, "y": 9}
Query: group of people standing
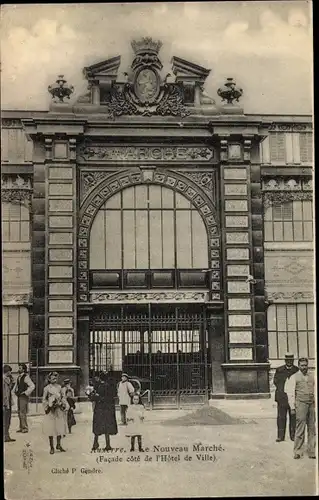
{"x": 295, "y": 396}
{"x": 22, "y": 388}
{"x": 58, "y": 403}
{"x": 102, "y": 392}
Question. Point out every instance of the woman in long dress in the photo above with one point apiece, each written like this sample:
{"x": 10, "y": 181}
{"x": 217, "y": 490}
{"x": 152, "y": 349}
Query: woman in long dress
{"x": 54, "y": 404}
{"x": 104, "y": 419}
{"x": 68, "y": 393}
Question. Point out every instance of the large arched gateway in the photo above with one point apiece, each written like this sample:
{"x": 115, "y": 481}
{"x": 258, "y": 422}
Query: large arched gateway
{"x": 146, "y": 239}
{"x": 150, "y": 237}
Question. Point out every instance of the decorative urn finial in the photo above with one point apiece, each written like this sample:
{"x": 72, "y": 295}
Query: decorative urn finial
{"x": 228, "y": 92}
{"x": 61, "y": 89}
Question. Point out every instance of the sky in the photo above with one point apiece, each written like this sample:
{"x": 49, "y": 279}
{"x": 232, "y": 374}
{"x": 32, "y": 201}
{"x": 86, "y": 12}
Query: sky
{"x": 265, "y": 46}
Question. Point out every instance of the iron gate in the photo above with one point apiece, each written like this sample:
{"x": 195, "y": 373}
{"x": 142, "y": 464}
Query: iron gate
{"x": 166, "y": 348}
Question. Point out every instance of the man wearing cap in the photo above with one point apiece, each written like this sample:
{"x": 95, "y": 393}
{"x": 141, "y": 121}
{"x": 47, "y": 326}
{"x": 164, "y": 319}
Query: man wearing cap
{"x": 125, "y": 391}
{"x": 300, "y": 390}
{"x": 23, "y": 389}
{"x": 283, "y": 373}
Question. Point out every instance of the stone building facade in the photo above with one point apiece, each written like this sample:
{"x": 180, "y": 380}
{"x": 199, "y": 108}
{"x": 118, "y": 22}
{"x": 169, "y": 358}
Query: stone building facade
{"x": 146, "y": 228}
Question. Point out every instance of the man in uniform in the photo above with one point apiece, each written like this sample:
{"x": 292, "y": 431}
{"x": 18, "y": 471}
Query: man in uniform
{"x": 300, "y": 390}
{"x": 281, "y": 375}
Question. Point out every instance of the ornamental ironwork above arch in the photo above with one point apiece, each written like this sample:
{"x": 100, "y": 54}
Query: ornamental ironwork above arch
{"x": 110, "y": 186}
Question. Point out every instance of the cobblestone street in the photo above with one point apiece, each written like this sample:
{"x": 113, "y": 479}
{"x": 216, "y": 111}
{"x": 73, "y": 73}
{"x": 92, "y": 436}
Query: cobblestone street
{"x": 245, "y": 461}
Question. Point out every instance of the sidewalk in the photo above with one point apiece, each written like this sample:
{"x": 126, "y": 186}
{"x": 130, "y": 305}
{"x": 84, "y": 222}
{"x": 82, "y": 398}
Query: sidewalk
{"x": 249, "y": 462}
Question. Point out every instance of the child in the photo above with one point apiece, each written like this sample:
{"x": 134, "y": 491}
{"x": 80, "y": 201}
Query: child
{"x": 135, "y": 420}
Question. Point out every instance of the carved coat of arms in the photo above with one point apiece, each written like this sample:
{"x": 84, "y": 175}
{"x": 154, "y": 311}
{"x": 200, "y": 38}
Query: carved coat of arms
{"x": 146, "y": 92}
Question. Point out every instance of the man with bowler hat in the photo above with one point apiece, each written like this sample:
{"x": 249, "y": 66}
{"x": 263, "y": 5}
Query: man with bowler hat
{"x": 283, "y": 373}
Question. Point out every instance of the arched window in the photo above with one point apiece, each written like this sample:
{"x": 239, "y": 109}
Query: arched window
{"x": 148, "y": 227}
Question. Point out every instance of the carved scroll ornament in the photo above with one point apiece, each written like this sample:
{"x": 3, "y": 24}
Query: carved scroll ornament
{"x": 148, "y": 296}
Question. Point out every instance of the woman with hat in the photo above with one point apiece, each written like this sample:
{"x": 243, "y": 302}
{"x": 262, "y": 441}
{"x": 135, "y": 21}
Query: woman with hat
{"x": 55, "y": 405}
{"x": 104, "y": 420}
{"x": 68, "y": 394}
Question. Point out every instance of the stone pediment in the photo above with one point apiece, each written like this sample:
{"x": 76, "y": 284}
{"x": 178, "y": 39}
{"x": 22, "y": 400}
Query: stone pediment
{"x": 107, "y": 69}
{"x": 188, "y": 72}
{"x": 145, "y": 90}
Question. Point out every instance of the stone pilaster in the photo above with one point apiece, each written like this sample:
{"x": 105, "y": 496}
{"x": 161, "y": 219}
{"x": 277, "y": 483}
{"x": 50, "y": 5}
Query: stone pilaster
{"x": 38, "y": 266}
{"x": 245, "y": 324}
{"x": 61, "y": 208}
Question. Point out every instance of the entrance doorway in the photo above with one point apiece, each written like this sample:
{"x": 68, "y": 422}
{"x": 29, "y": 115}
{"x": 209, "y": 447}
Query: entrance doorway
{"x": 166, "y": 347}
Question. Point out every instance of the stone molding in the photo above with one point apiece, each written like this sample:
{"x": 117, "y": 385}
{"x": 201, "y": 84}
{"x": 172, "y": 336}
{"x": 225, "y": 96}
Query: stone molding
{"x": 171, "y": 296}
{"x": 290, "y": 295}
{"x": 290, "y": 127}
{"x": 11, "y": 123}
{"x": 278, "y": 190}
{"x": 154, "y": 153}
{"x": 15, "y": 299}
{"x": 284, "y": 184}
{"x": 90, "y": 179}
{"x": 284, "y": 197}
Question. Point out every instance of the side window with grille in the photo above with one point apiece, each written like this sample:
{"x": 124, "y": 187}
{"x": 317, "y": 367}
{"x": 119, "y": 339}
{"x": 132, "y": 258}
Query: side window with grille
{"x": 290, "y": 221}
{"x": 305, "y": 144}
{"x": 15, "y": 222}
{"x": 291, "y": 329}
{"x": 277, "y": 142}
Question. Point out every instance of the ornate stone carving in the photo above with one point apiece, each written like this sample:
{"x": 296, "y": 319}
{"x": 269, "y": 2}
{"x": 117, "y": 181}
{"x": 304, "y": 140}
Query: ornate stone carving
{"x": 291, "y": 269}
{"x": 284, "y": 197}
{"x": 282, "y": 190}
{"x": 61, "y": 89}
{"x": 16, "y": 298}
{"x": 289, "y": 127}
{"x": 284, "y": 184}
{"x": 11, "y": 123}
{"x": 229, "y": 92}
{"x": 290, "y": 295}
{"x": 204, "y": 179}
{"x": 146, "y": 153}
{"x": 90, "y": 179}
{"x": 145, "y": 92}
{"x": 173, "y": 296}
{"x": 16, "y": 190}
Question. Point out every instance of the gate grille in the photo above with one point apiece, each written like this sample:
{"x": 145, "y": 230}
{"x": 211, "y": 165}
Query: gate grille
{"x": 167, "y": 350}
